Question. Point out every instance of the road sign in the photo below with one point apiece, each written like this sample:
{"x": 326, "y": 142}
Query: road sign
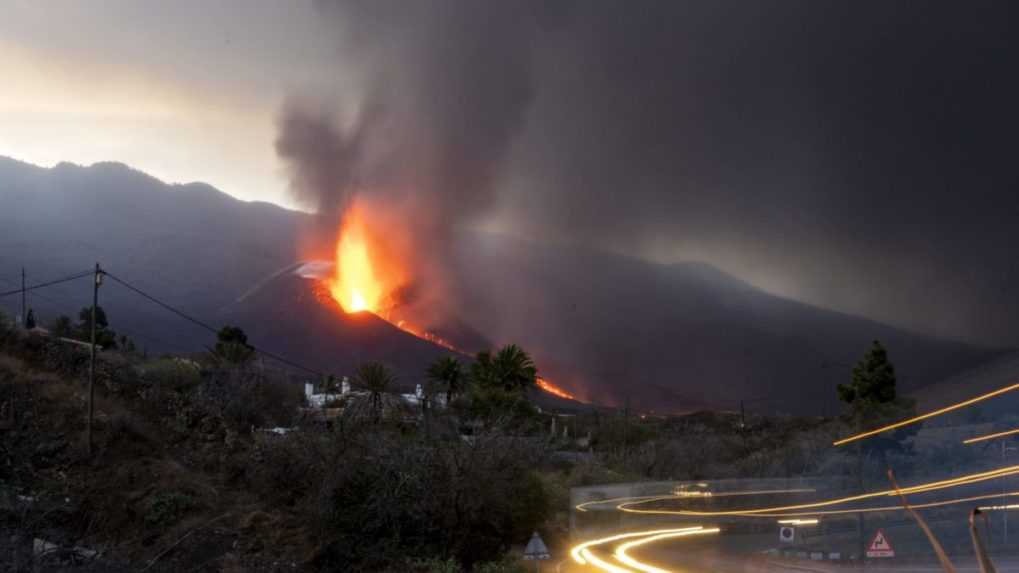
{"x": 536, "y": 548}
{"x": 786, "y": 534}
{"x": 880, "y": 547}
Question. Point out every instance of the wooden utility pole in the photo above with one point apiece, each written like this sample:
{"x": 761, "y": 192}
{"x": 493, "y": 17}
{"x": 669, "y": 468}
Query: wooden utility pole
{"x": 24, "y": 316}
{"x": 97, "y": 280}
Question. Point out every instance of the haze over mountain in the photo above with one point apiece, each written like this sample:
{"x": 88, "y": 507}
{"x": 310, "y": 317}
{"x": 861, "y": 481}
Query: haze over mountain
{"x": 612, "y": 328}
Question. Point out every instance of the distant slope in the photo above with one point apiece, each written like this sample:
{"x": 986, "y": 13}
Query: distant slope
{"x": 195, "y": 246}
{"x": 674, "y": 337}
{"x": 991, "y": 375}
{"x": 665, "y": 337}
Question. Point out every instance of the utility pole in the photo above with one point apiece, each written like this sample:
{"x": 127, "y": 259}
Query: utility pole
{"x": 743, "y": 427}
{"x": 1004, "y": 497}
{"x": 626, "y": 429}
{"x": 97, "y": 280}
{"x": 24, "y": 316}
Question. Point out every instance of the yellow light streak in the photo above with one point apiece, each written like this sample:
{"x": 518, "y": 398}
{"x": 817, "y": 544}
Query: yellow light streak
{"x": 602, "y": 564}
{"x": 922, "y": 417}
{"x": 582, "y": 507}
{"x": 620, "y": 552}
{"x": 999, "y": 507}
{"x": 991, "y": 436}
{"x": 888, "y": 507}
{"x": 577, "y": 552}
{"x": 798, "y": 521}
{"x": 763, "y": 492}
{"x": 933, "y": 486}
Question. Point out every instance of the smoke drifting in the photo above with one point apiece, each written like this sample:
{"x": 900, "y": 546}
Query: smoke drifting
{"x": 857, "y": 156}
{"x": 445, "y": 89}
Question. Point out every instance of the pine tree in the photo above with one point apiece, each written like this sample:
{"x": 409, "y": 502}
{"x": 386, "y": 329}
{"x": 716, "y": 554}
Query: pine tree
{"x": 873, "y": 381}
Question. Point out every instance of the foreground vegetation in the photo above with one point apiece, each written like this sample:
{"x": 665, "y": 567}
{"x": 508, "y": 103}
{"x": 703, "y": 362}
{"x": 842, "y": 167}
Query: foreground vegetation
{"x": 212, "y": 462}
{"x": 183, "y": 462}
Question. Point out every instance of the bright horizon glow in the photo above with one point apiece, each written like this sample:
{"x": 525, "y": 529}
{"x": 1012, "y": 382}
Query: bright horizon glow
{"x": 118, "y": 85}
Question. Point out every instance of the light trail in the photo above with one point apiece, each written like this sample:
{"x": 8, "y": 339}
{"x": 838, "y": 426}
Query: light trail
{"x": 999, "y": 507}
{"x": 580, "y": 552}
{"x": 622, "y": 557}
{"x": 798, "y": 521}
{"x": 582, "y": 507}
{"x": 888, "y": 507}
{"x": 991, "y": 436}
{"x": 602, "y": 564}
{"x": 922, "y": 417}
{"x": 933, "y": 486}
{"x": 762, "y": 492}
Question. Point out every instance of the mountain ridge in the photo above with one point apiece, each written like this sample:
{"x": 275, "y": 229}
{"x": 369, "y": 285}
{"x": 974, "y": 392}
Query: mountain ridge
{"x": 613, "y": 328}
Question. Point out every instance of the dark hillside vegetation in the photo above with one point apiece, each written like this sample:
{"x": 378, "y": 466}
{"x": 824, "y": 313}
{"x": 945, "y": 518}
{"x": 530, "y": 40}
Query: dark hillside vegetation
{"x": 187, "y": 474}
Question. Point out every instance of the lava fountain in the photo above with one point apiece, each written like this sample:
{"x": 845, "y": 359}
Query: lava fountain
{"x": 371, "y": 271}
{"x": 355, "y": 285}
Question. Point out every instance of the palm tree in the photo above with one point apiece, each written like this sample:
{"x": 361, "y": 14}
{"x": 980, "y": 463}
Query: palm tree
{"x": 375, "y": 378}
{"x": 510, "y": 369}
{"x": 447, "y": 372}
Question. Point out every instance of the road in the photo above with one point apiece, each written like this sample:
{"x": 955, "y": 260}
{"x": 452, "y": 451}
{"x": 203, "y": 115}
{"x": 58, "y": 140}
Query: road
{"x": 714, "y": 527}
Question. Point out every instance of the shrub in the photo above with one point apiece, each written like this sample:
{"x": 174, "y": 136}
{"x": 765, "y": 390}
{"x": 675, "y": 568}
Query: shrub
{"x": 387, "y": 497}
{"x": 507, "y": 564}
{"x": 167, "y": 508}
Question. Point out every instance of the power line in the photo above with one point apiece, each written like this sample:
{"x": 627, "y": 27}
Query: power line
{"x": 46, "y": 284}
{"x": 206, "y": 326}
{"x": 153, "y": 299}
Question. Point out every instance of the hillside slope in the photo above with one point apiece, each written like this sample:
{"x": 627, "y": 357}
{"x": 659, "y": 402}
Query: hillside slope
{"x": 677, "y": 337}
{"x": 610, "y": 328}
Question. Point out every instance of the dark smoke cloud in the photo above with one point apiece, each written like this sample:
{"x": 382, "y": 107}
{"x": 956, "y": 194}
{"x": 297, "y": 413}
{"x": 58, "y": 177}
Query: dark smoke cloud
{"x": 446, "y": 89}
{"x": 856, "y": 155}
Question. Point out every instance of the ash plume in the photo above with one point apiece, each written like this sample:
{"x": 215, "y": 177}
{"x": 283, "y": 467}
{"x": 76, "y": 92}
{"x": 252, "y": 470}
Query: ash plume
{"x": 444, "y": 88}
{"x": 853, "y": 156}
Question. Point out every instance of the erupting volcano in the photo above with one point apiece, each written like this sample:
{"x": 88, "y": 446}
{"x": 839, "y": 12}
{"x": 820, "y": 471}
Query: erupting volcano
{"x": 371, "y": 272}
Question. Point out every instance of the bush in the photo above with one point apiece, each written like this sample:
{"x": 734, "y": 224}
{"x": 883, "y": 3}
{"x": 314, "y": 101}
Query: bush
{"x": 387, "y": 497}
{"x": 284, "y": 469}
{"x": 168, "y": 507}
{"x": 507, "y": 564}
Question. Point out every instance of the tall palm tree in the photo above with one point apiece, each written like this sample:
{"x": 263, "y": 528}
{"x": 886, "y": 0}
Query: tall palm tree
{"x": 448, "y": 373}
{"x": 510, "y": 369}
{"x": 375, "y": 378}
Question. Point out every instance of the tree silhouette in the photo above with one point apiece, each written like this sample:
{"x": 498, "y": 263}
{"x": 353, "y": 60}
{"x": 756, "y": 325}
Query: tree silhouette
{"x": 62, "y": 327}
{"x": 447, "y": 372}
{"x": 375, "y": 378}
{"x": 873, "y": 380}
{"x": 232, "y": 346}
{"x": 85, "y": 318}
{"x": 510, "y": 369}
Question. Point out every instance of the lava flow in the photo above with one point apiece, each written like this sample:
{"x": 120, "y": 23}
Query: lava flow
{"x": 367, "y": 276}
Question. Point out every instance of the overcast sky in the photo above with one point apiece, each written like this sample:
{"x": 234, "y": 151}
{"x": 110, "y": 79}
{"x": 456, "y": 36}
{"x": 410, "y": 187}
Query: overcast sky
{"x": 856, "y": 155}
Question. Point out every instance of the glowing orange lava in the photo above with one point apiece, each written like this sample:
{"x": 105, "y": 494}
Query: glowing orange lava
{"x": 355, "y": 285}
{"x": 370, "y": 272}
{"x": 553, "y": 389}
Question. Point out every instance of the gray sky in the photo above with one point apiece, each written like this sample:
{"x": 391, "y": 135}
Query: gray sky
{"x": 186, "y": 91}
{"x": 856, "y": 155}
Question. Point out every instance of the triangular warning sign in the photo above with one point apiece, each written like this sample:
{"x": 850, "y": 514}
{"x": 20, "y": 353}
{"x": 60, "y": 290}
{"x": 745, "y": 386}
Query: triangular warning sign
{"x": 536, "y": 548}
{"x": 880, "y": 547}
